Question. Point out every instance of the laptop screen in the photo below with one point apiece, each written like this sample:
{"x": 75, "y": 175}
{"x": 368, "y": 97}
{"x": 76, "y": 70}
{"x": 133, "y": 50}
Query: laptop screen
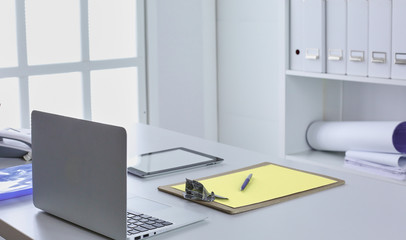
{"x": 79, "y": 172}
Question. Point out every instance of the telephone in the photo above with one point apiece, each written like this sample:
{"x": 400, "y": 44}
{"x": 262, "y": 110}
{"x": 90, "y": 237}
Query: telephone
{"x": 15, "y": 143}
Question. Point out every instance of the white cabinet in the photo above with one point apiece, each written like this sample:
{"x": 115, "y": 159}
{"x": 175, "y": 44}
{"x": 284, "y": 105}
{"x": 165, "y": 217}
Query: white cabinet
{"x": 319, "y": 96}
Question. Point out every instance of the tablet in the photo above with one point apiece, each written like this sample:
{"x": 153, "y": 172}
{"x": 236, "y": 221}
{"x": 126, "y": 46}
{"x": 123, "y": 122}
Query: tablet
{"x": 170, "y": 160}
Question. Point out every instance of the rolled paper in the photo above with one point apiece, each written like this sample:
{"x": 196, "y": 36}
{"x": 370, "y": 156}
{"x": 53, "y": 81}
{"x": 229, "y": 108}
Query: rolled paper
{"x": 372, "y": 136}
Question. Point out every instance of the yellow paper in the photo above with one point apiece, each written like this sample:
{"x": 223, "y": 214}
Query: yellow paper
{"x": 267, "y": 183}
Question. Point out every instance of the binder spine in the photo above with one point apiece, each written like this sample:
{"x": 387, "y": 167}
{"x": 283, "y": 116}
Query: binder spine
{"x": 314, "y": 19}
{"x": 357, "y": 37}
{"x": 336, "y": 36}
{"x": 380, "y": 32}
{"x": 398, "y": 61}
{"x": 296, "y": 50}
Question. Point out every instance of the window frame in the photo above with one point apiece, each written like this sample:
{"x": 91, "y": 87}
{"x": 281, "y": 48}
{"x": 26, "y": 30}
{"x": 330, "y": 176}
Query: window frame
{"x": 23, "y": 71}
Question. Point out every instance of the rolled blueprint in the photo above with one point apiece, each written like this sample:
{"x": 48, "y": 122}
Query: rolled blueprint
{"x": 385, "y": 136}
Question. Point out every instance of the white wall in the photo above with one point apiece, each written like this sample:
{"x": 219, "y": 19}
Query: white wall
{"x": 181, "y": 66}
{"x": 181, "y": 48}
{"x": 373, "y": 102}
{"x": 250, "y": 55}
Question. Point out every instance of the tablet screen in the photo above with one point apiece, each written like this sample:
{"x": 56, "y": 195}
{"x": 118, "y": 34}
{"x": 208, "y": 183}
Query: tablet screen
{"x": 170, "y": 160}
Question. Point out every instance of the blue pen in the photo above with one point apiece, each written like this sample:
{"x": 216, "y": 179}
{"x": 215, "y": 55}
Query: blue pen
{"x": 247, "y": 180}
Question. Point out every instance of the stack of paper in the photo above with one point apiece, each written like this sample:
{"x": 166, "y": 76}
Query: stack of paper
{"x": 392, "y": 165}
{"x": 376, "y": 147}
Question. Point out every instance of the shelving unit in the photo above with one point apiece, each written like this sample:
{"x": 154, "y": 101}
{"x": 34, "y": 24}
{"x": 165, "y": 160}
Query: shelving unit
{"x": 384, "y": 81}
{"x": 320, "y": 96}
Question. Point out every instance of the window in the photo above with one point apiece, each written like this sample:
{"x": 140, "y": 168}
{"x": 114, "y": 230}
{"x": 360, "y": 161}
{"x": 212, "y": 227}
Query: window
{"x": 80, "y": 58}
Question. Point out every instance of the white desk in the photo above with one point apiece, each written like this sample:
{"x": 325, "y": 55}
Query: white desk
{"x": 363, "y": 208}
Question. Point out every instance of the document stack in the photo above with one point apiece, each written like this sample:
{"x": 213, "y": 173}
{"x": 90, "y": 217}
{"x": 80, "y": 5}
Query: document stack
{"x": 358, "y": 37}
{"x": 392, "y": 165}
{"x": 377, "y": 147}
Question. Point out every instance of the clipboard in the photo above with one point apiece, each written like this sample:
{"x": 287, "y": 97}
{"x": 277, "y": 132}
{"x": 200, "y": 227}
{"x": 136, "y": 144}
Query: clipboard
{"x": 290, "y": 173}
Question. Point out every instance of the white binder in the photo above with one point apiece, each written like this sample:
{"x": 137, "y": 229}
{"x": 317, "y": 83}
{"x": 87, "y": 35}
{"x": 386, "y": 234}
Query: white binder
{"x": 357, "y": 37}
{"x": 398, "y": 39}
{"x": 314, "y": 36}
{"x": 296, "y": 35}
{"x": 380, "y": 35}
{"x": 336, "y": 36}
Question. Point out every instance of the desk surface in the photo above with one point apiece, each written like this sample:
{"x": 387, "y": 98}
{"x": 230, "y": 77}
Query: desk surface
{"x": 364, "y": 208}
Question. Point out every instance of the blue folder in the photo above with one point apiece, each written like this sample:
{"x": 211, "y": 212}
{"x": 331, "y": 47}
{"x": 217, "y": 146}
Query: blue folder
{"x": 15, "y": 181}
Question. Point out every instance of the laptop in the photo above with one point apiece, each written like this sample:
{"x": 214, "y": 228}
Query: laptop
{"x": 80, "y": 174}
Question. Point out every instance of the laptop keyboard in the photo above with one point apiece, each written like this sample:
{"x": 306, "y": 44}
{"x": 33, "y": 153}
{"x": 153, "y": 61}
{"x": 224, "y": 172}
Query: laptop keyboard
{"x": 138, "y": 223}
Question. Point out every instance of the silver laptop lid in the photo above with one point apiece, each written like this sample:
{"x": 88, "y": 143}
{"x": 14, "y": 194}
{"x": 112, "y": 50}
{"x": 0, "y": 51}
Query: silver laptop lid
{"x": 79, "y": 172}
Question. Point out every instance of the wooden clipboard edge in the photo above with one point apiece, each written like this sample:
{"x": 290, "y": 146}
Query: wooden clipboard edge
{"x": 230, "y": 210}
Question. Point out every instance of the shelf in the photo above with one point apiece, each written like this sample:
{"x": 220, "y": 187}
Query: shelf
{"x": 334, "y": 160}
{"x": 310, "y": 96}
{"x": 385, "y": 81}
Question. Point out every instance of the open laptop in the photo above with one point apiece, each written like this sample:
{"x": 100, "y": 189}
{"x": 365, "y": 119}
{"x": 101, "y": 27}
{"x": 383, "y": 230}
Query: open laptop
{"x": 80, "y": 174}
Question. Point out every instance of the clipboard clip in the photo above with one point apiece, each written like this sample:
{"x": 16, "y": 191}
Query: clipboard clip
{"x": 194, "y": 190}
